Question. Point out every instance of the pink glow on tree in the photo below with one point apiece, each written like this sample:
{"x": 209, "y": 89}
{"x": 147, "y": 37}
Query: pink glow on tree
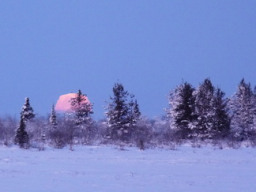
{"x": 64, "y": 102}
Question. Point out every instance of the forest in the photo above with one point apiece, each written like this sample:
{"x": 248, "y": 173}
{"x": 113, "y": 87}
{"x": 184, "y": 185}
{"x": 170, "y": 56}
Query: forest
{"x": 197, "y": 116}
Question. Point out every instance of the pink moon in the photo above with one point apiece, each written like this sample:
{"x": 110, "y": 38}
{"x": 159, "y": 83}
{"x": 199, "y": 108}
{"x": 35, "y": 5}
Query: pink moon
{"x": 63, "y": 104}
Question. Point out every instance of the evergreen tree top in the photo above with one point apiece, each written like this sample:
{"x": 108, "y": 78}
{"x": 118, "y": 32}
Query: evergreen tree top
{"x": 27, "y": 112}
{"x": 78, "y": 100}
{"x": 207, "y": 85}
{"x": 244, "y": 88}
{"x": 119, "y": 91}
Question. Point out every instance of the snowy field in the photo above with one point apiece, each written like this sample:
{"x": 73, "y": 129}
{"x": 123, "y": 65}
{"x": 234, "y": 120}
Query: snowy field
{"x": 94, "y": 169}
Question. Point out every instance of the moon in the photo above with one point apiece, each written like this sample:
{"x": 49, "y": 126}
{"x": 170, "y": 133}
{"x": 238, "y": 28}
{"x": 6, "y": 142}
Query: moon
{"x": 63, "y": 104}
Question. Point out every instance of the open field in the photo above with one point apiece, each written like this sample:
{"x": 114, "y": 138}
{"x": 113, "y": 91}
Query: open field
{"x": 106, "y": 168}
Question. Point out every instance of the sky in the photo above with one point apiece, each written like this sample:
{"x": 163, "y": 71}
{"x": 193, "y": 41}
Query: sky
{"x": 49, "y": 48}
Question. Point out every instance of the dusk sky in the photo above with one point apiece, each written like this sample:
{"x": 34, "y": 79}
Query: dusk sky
{"x": 49, "y": 48}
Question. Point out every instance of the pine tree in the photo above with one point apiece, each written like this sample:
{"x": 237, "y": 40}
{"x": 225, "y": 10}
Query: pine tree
{"x": 122, "y": 114}
{"x": 26, "y": 115}
{"x": 221, "y": 120}
{"x": 182, "y": 110}
{"x": 134, "y": 112}
{"x": 82, "y": 109}
{"x": 53, "y": 118}
{"x": 204, "y": 98}
{"x": 242, "y": 110}
{"x": 134, "y": 116}
{"x": 56, "y": 132}
{"x": 21, "y": 137}
{"x": 27, "y": 112}
{"x": 117, "y": 113}
{"x": 82, "y": 117}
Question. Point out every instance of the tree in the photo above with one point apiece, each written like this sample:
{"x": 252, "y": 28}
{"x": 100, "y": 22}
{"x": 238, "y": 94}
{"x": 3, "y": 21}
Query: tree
{"x": 211, "y": 111}
{"x": 122, "y": 114}
{"x": 82, "y": 116}
{"x": 117, "y": 113}
{"x": 26, "y": 115}
{"x": 204, "y": 97}
{"x": 242, "y": 109}
{"x": 53, "y": 118}
{"x": 221, "y": 119}
{"x": 82, "y": 108}
{"x": 133, "y": 112}
{"x": 27, "y": 112}
{"x": 21, "y": 137}
{"x": 182, "y": 110}
{"x": 56, "y": 130}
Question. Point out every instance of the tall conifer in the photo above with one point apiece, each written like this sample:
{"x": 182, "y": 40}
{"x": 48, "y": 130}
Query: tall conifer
{"x": 182, "y": 110}
{"x": 242, "y": 108}
{"x": 122, "y": 114}
{"x": 21, "y": 137}
{"x": 27, "y": 112}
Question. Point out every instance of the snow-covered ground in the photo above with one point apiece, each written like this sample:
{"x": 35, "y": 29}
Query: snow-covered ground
{"x": 106, "y": 168}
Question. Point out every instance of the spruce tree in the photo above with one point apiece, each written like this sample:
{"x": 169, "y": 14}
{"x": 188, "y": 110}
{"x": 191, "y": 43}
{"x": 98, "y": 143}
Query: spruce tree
{"x": 26, "y": 115}
{"x": 82, "y": 109}
{"x": 133, "y": 112}
{"x": 53, "y": 118}
{"x": 221, "y": 119}
{"x": 27, "y": 112}
{"x": 182, "y": 110}
{"x": 56, "y": 134}
{"x": 21, "y": 137}
{"x": 82, "y": 117}
{"x": 117, "y": 113}
{"x": 242, "y": 112}
{"x": 122, "y": 114}
{"x": 204, "y": 98}
{"x": 134, "y": 116}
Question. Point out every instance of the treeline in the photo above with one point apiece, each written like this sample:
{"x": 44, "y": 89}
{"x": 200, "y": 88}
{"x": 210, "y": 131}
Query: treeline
{"x": 201, "y": 115}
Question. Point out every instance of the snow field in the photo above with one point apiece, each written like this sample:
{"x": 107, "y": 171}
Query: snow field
{"x": 106, "y": 168}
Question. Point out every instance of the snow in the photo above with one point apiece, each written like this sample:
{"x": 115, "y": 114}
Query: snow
{"x": 107, "y": 168}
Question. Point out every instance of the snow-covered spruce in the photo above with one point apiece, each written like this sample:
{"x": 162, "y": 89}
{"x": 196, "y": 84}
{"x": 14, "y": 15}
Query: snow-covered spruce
{"x": 243, "y": 112}
{"x": 122, "y": 114}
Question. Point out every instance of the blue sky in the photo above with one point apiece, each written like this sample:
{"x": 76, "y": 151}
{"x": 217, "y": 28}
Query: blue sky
{"x": 49, "y": 48}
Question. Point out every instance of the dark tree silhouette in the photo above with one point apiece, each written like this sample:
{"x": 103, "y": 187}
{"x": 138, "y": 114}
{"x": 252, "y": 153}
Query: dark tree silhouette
{"x": 21, "y": 137}
{"x": 122, "y": 114}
